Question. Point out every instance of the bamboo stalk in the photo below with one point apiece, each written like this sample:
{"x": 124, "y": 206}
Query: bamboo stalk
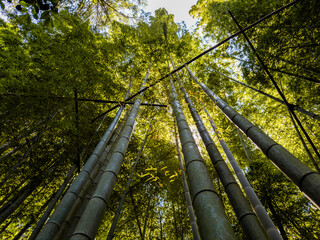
{"x": 212, "y": 221}
{"x": 80, "y": 204}
{"x": 88, "y": 190}
{"x": 295, "y": 117}
{"x": 314, "y": 163}
{"x": 125, "y": 192}
{"x": 247, "y": 218}
{"x": 192, "y": 217}
{"x": 53, "y": 226}
{"x": 16, "y": 203}
{"x": 95, "y": 180}
{"x": 244, "y": 146}
{"x": 252, "y": 196}
{"x": 301, "y": 175}
{"x": 52, "y": 204}
{"x": 92, "y": 215}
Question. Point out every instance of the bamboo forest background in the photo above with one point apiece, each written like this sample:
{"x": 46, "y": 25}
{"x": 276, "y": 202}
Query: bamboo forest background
{"x": 58, "y": 58}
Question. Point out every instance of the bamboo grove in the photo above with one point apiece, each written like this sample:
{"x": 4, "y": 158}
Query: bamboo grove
{"x": 120, "y": 129}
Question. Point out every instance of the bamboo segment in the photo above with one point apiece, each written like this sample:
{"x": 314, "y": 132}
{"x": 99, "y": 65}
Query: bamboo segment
{"x": 92, "y": 215}
{"x": 89, "y": 193}
{"x": 17, "y": 203}
{"x": 124, "y": 194}
{"x": 244, "y": 146}
{"x": 247, "y": 218}
{"x": 253, "y": 198}
{"x": 52, "y": 204}
{"x": 192, "y": 217}
{"x": 301, "y": 175}
{"x": 212, "y": 221}
{"x": 56, "y": 220}
{"x": 78, "y": 203}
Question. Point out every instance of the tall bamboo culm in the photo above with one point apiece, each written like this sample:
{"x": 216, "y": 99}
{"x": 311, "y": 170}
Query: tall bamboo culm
{"x": 247, "y": 218}
{"x": 54, "y": 223}
{"x": 125, "y": 192}
{"x": 212, "y": 220}
{"x": 80, "y": 204}
{"x": 192, "y": 217}
{"x": 52, "y": 204}
{"x": 300, "y": 174}
{"x": 90, "y": 220}
{"x": 91, "y": 187}
{"x": 266, "y": 221}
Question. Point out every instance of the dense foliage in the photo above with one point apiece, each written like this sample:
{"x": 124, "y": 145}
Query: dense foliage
{"x": 43, "y": 134}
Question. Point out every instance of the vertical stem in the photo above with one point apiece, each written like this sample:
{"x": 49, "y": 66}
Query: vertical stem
{"x": 146, "y": 220}
{"x": 136, "y": 214}
{"x": 247, "y": 218}
{"x": 192, "y": 217}
{"x": 212, "y": 220}
{"x": 276, "y": 217}
{"x": 253, "y": 198}
{"x": 289, "y": 107}
{"x": 300, "y": 174}
{"x": 244, "y": 145}
{"x": 89, "y": 222}
{"x": 301, "y": 138}
{"x": 160, "y": 222}
{"x": 52, "y": 204}
{"x": 175, "y": 222}
{"x": 77, "y": 162}
{"x": 124, "y": 194}
{"x": 55, "y": 222}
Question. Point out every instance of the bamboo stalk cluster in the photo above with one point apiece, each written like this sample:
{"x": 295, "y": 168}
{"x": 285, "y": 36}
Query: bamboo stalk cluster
{"x": 300, "y": 174}
{"x": 81, "y": 210}
{"x": 99, "y": 171}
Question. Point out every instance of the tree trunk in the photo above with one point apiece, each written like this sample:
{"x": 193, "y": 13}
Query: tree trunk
{"x": 192, "y": 217}
{"x": 22, "y": 231}
{"x": 22, "y": 159}
{"x": 16, "y": 203}
{"x": 175, "y": 222}
{"x": 212, "y": 221}
{"x": 300, "y": 174}
{"x": 8, "y": 154}
{"x": 80, "y": 204}
{"x": 247, "y": 218}
{"x": 241, "y": 139}
{"x": 15, "y": 197}
{"x": 146, "y": 220}
{"x": 92, "y": 216}
{"x": 52, "y": 204}
{"x": 160, "y": 222}
{"x": 53, "y": 226}
{"x": 13, "y": 142}
{"x": 89, "y": 189}
{"x": 253, "y": 198}
{"x": 314, "y": 163}
{"x": 124, "y": 194}
{"x": 276, "y": 217}
{"x": 136, "y": 214}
